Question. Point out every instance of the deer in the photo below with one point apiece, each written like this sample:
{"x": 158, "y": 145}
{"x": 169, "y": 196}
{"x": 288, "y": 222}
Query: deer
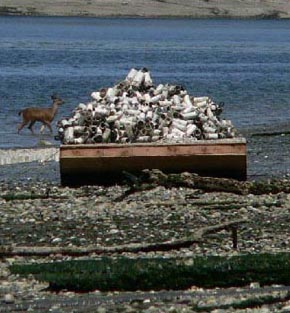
{"x": 44, "y": 115}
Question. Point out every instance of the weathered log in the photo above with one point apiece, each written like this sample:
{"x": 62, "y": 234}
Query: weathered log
{"x": 149, "y": 179}
{"x": 130, "y": 274}
{"x": 198, "y": 236}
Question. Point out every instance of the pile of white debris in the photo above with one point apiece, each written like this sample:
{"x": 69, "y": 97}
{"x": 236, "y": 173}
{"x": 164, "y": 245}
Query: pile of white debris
{"x": 135, "y": 110}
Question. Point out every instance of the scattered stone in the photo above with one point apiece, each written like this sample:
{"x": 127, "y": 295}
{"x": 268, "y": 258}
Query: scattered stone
{"x": 9, "y": 298}
{"x": 255, "y": 285}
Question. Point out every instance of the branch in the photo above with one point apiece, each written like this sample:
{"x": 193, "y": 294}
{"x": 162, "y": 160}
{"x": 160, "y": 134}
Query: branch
{"x": 9, "y": 251}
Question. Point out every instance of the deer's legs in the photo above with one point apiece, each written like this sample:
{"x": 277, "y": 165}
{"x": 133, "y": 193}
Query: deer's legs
{"x": 21, "y": 126}
{"x": 42, "y": 128}
{"x": 48, "y": 125}
{"x": 30, "y": 126}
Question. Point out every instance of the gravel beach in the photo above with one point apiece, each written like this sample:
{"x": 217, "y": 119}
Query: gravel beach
{"x": 91, "y": 215}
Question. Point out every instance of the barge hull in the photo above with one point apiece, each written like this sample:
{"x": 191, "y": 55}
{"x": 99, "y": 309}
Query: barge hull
{"x": 105, "y": 163}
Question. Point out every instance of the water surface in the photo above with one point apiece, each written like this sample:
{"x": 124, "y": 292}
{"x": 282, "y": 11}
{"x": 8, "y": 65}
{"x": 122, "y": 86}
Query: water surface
{"x": 244, "y": 63}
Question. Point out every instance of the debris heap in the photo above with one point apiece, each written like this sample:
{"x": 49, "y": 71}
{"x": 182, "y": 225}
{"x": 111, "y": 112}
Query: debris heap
{"x": 135, "y": 110}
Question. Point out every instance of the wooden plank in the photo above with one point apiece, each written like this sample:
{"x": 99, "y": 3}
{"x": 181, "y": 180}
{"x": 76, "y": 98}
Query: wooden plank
{"x": 153, "y": 150}
{"x": 105, "y": 162}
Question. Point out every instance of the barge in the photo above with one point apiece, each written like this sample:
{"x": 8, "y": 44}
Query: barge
{"x": 84, "y": 164}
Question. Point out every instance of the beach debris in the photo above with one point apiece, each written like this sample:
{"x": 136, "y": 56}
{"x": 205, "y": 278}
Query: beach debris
{"x": 136, "y": 111}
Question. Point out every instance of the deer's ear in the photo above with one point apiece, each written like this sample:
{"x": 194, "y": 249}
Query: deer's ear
{"x": 54, "y": 96}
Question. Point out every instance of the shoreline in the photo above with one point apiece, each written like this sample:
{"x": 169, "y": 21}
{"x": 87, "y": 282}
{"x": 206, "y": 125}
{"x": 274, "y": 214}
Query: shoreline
{"x": 164, "y": 17}
{"x": 27, "y": 155}
{"x": 192, "y": 9}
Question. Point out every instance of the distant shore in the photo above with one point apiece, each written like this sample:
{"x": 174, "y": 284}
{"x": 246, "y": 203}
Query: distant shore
{"x": 267, "y": 9}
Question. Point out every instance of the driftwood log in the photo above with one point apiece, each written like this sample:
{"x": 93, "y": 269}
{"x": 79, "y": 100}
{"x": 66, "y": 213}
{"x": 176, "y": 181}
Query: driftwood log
{"x": 198, "y": 236}
{"x": 150, "y": 179}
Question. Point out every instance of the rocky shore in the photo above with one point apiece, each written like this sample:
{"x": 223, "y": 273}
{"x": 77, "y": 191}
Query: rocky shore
{"x": 154, "y": 8}
{"x": 45, "y": 214}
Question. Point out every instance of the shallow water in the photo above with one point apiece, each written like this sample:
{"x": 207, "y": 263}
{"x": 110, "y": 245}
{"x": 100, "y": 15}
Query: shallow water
{"x": 245, "y": 64}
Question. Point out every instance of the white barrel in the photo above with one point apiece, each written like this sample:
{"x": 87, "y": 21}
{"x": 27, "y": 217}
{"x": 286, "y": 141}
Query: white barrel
{"x": 142, "y": 116}
{"x": 178, "y": 108}
{"x": 133, "y": 112}
{"x": 165, "y": 103}
{"x": 203, "y": 118}
{"x": 190, "y": 130}
{"x": 187, "y": 100}
{"x": 179, "y": 126}
{"x": 106, "y": 135}
{"x": 201, "y": 105}
{"x": 65, "y": 123}
{"x": 200, "y": 99}
{"x": 149, "y": 114}
{"x": 79, "y": 140}
{"x": 157, "y": 132}
{"x": 77, "y": 115}
{"x": 124, "y": 140}
{"x": 176, "y": 100}
{"x": 101, "y": 111}
{"x": 147, "y": 97}
{"x": 131, "y": 75}
{"x": 138, "y": 79}
{"x": 69, "y": 134}
{"x": 165, "y": 131}
{"x": 79, "y": 129}
{"x": 144, "y": 108}
{"x": 124, "y": 95}
{"x": 211, "y": 136}
{"x": 190, "y": 116}
{"x": 209, "y": 129}
{"x": 143, "y": 139}
{"x": 111, "y": 92}
{"x": 158, "y": 90}
{"x": 156, "y": 99}
{"x": 96, "y": 95}
{"x": 177, "y": 132}
{"x": 188, "y": 109}
{"x": 147, "y": 80}
{"x": 165, "y": 93}
{"x": 115, "y": 117}
{"x": 172, "y": 137}
{"x": 179, "y": 121}
{"x": 209, "y": 113}
{"x": 155, "y": 138}
{"x": 81, "y": 107}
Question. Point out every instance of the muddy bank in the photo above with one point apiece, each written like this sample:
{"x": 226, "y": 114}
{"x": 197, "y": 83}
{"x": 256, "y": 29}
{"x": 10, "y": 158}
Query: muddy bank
{"x": 154, "y": 8}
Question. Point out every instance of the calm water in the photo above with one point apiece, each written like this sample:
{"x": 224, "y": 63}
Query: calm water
{"x": 245, "y": 64}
